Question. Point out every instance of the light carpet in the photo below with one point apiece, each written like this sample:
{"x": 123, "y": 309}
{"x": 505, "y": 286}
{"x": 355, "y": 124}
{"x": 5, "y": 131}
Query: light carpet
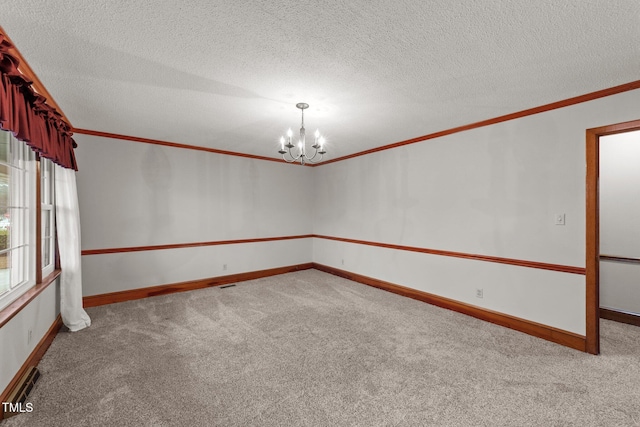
{"x": 312, "y": 349}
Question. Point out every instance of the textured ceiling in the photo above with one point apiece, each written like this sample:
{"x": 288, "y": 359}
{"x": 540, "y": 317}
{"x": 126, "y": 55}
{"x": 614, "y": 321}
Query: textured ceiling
{"x": 227, "y": 74}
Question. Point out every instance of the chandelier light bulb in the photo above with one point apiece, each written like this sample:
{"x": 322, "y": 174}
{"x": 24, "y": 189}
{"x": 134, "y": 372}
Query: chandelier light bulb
{"x": 322, "y": 150}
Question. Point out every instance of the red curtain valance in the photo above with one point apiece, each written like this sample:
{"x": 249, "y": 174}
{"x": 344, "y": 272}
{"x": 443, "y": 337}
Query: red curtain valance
{"x": 26, "y": 114}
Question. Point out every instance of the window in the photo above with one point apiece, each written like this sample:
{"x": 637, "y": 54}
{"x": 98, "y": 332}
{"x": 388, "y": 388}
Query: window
{"x": 47, "y": 212}
{"x": 17, "y": 219}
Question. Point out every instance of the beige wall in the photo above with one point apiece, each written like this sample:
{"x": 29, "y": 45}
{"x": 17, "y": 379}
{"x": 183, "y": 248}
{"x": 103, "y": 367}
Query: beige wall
{"x": 37, "y": 317}
{"x": 134, "y": 194}
{"x": 490, "y": 191}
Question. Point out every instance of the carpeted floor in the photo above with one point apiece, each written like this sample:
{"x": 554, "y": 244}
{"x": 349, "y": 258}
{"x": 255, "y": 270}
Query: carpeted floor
{"x": 312, "y": 349}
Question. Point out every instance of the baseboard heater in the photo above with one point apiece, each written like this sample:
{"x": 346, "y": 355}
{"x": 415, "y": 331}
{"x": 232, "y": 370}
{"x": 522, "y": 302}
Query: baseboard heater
{"x": 17, "y": 401}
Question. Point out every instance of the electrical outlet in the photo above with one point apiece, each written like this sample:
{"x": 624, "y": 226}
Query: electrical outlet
{"x": 479, "y": 293}
{"x": 559, "y": 219}
{"x": 29, "y": 336}
{"x": 224, "y": 267}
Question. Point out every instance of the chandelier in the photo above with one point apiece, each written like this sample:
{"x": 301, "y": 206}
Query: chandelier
{"x": 318, "y": 144}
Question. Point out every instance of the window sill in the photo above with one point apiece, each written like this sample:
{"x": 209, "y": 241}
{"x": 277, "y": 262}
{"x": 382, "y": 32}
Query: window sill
{"x": 23, "y": 300}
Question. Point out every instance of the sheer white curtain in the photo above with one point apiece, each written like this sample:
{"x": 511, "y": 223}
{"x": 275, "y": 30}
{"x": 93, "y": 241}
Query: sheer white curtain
{"x": 68, "y": 227}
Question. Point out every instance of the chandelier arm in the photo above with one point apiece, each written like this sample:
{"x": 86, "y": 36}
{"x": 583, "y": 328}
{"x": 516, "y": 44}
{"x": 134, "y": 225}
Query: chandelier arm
{"x": 316, "y": 162}
{"x": 295, "y": 158}
{"x": 310, "y": 160}
{"x": 288, "y": 161}
{"x": 318, "y": 152}
{"x": 314, "y": 155}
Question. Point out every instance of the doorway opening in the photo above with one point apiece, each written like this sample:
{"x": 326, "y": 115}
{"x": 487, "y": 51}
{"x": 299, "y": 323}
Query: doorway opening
{"x": 593, "y": 229}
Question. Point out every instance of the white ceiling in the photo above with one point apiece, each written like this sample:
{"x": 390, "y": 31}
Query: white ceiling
{"x": 227, "y": 74}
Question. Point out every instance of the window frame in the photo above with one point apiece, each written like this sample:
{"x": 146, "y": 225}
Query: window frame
{"x": 47, "y": 241}
{"x": 23, "y": 161}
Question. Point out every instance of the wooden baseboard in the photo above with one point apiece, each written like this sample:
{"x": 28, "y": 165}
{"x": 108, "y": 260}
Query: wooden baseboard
{"x": 133, "y": 294}
{"x": 620, "y": 316}
{"x": 548, "y": 333}
{"x": 33, "y": 359}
